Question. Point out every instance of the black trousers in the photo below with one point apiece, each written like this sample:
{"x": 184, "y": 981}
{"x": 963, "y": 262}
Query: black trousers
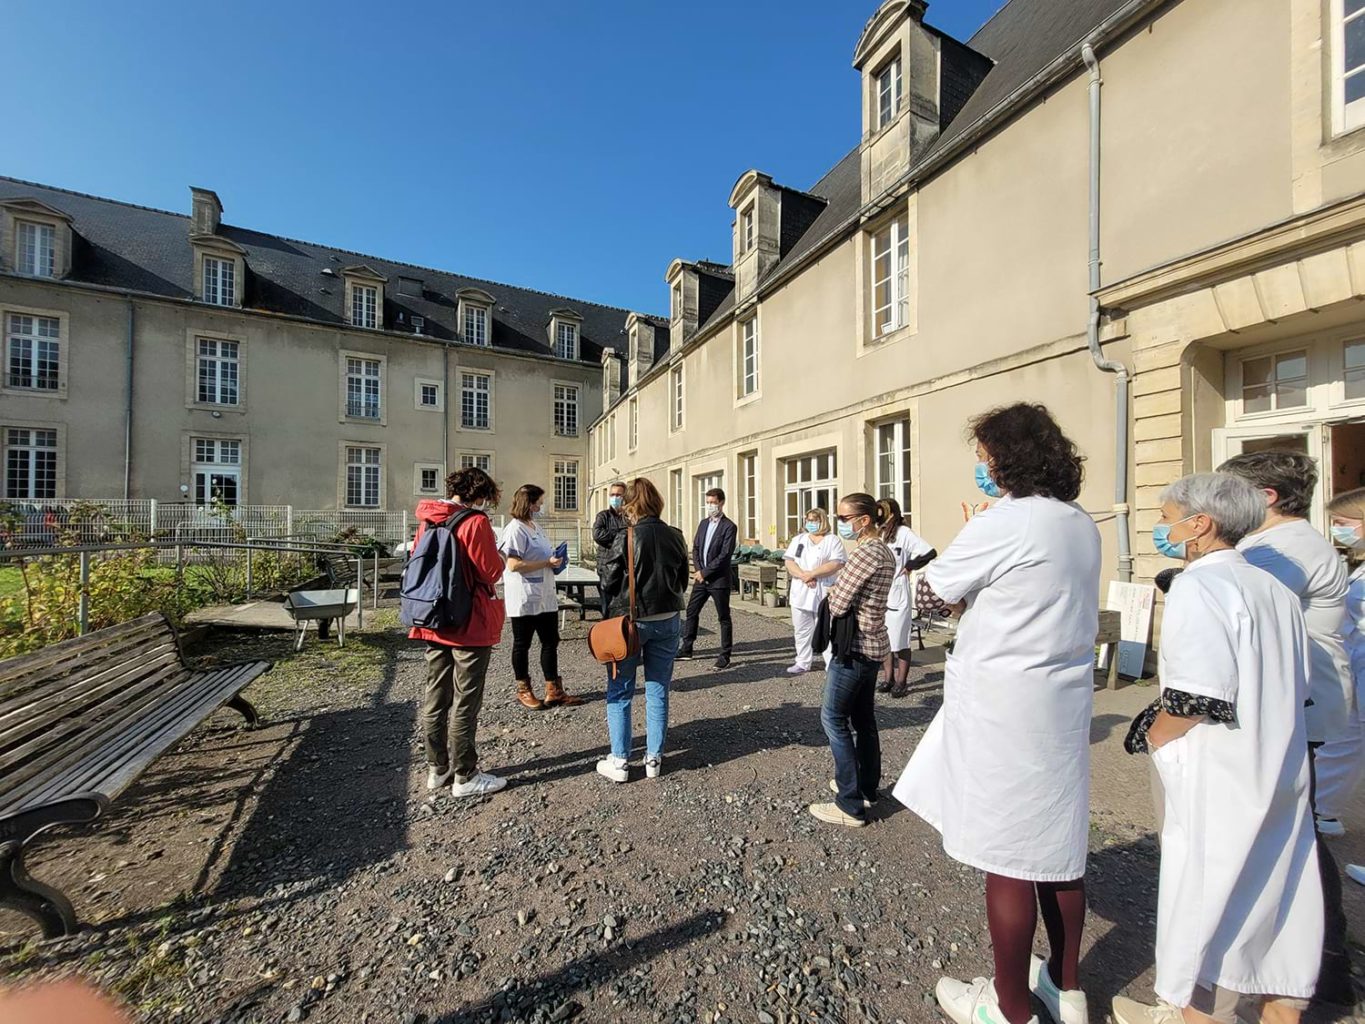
{"x": 546, "y": 627}
{"x": 719, "y": 592}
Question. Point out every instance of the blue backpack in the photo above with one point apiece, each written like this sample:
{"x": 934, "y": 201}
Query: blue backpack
{"x": 434, "y": 593}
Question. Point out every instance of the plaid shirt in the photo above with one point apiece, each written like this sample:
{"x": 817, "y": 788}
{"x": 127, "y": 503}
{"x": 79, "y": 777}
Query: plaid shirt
{"x": 863, "y": 584}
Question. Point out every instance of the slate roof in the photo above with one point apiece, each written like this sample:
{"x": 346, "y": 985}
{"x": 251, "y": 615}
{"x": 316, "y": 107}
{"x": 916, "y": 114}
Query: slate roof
{"x": 142, "y": 249}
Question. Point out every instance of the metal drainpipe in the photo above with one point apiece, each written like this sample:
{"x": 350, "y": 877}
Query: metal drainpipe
{"x": 445, "y": 413}
{"x": 1121, "y": 375}
{"x": 128, "y": 413}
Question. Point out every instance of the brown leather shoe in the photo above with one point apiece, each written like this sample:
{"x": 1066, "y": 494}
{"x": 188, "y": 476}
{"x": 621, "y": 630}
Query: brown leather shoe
{"x": 555, "y": 695}
{"x": 527, "y": 696}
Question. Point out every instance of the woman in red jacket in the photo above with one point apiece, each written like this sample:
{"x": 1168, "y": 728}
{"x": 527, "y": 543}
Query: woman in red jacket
{"x": 457, "y": 658}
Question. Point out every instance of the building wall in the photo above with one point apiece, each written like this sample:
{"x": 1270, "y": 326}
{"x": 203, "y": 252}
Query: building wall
{"x": 291, "y": 417}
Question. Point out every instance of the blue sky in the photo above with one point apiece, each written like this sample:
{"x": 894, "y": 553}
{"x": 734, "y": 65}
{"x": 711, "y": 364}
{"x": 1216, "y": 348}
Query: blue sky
{"x": 575, "y": 147}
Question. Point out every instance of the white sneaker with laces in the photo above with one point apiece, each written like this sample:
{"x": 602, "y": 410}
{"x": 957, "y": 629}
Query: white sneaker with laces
{"x": 481, "y": 784}
{"x": 1129, "y": 1011}
{"x": 1065, "y": 1006}
{"x": 973, "y": 1003}
{"x": 834, "y": 788}
{"x": 797, "y": 670}
{"x": 615, "y": 768}
{"x": 437, "y": 778}
{"x": 654, "y": 764}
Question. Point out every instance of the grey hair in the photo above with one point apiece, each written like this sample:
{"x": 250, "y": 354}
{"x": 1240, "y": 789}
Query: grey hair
{"x": 1235, "y": 505}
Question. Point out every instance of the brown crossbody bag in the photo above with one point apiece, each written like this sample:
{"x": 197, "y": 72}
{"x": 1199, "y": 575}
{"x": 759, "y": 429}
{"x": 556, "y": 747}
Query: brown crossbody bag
{"x": 615, "y": 639}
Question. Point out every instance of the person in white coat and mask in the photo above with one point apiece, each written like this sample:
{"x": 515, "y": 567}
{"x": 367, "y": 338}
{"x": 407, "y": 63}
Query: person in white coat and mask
{"x": 1239, "y": 905}
{"x": 911, "y": 552}
{"x": 813, "y": 560}
{"x": 1003, "y": 772}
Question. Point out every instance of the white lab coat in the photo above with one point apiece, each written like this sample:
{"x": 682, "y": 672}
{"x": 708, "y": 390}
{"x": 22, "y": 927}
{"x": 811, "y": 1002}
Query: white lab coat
{"x": 1004, "y": 770}
{"x": 1240, "y": 900}
{"x": 1341, "y": 761}
{"x": 527, "y": 593}
{"x": 906, "y": 546}
{"x": 809, "y": 553}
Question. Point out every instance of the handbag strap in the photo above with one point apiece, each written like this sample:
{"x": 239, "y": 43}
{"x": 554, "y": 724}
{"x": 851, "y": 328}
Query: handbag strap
{"x": 630, "y": 567}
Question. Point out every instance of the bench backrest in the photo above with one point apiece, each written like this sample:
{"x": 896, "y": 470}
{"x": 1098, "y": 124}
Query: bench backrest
{"x": 69, "y": 694}
{"x": 340, "y": 569}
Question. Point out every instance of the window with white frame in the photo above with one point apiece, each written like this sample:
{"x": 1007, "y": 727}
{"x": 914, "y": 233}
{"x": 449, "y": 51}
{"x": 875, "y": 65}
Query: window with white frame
{"x": 889, "y": 93}
{"x": 363, "y": 467}
{"x": 702, "y": 484}
{"x": 1278, "y": 381}
{"x": 566, "y": 410}
{"x": 476, "y": 325}
{"x": 634, "y": 423}
{"x": 676, "y": 396}
{"x": 217, "y": 371}
{"x": 746, "y": 228}
{"x": 220, "y": 281}
{"x": 428, "y": 394}
{"x": 748, "y": 357}
{"x": 216, "y": 470}
{"x": 474, "y": 400}
{"x": 30, "y": 463}
{"x": 675, "y": 497}
{"x": 891, "y": 277}
{"x": 611, "y": 437}
{"x": 1348, "y": 64}
{"x": 428, "y": 479}
{"x": 365, "y": 306}
{"x": 471, "y": 460}
{"x": 748, "y": 475}
{"x": 566, "y": 341}
{"x": 32, "y": 352}
{"x": 37, "y": 248}
{"x": 1353, "y": 368}
{"x": 892, "y": 467}
{"x": 363, "y": 377}
{"x": 566, "y": 485}
{"x": 676, "y": 309}
{"x": 812, "y": 481}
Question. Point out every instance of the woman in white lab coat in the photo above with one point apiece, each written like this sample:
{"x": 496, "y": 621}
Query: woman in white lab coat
{"x": 1239, "y": 907}
{"x": 813, "y": 560}
{"x": 911, "y": 552}
{"x": 1003, "y": 771}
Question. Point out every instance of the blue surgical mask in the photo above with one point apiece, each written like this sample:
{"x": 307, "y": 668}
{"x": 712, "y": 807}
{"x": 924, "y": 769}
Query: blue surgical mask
{"x": 846, "y": 530}
{"x": 538, "y": 513}
{"x": 616, "y": 501}
{"x": 1346, "y": 536}
{"x": 983, "y": 480}
{"x": 1161, "y": 539}
{"x": 812, "y": 527}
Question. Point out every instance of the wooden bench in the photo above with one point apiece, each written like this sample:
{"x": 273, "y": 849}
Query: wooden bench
{"x": 80, "y": 720}
{"x": 341, "y": 571}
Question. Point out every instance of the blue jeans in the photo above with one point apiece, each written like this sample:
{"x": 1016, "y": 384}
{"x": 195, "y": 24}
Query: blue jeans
{"x": 851, "y": 724}
{"x": 658, "y": 648}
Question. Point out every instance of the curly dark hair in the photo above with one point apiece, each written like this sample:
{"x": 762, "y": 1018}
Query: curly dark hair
{"x": 472, "y": 484}
{"x": 1028, "y": 452}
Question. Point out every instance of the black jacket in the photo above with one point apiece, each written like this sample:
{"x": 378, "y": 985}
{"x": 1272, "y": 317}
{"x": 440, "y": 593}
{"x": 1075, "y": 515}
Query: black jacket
{"x": 660, "y": 571}
{"x": 605, "y": 527}
{"x": 716, "y": 568}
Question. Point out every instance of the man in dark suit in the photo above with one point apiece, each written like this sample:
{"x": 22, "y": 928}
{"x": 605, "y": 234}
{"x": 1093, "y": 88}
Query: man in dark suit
{"x": 712, "y": 548}
{"x": 609, "y": 522}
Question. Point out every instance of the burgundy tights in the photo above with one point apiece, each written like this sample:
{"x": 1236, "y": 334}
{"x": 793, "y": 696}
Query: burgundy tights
{"x": 1012, "y": 908}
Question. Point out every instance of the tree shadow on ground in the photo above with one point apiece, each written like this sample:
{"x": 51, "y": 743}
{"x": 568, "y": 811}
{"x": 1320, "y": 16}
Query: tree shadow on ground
{"x": 554, "y": 987}
{"x": 1121, "y": 885}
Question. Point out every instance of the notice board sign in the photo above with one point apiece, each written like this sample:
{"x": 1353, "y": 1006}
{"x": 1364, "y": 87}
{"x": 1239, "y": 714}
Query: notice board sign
{"x": 1134, "y": 602}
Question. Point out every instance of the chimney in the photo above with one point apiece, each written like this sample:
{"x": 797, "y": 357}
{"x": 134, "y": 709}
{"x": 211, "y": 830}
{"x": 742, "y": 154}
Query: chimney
{"x": 916, "y": 9}
{"x": 611, "y": 377}
{"x": 206, "y": 211}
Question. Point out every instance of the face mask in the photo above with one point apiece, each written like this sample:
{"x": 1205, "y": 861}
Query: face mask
{"x": 846, "y": 530}
{"x": 983, "y": 480}
{"x": 538, "y": 513}
{"x": 812, "y": 527}
{"x": 712, "y": 511}
{"x": 616, "y": 501}
{"x": 1161, "y": 539}
{"x": 1346, "y": 536}
{"x": 479, "y": 507}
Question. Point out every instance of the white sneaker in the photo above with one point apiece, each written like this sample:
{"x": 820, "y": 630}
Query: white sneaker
{"x": 615, "y": 768}
{"x": 654, "y": 764}
{"x": 1065, "y": 1006}
{"x": 1129, "y": 1011}
{"x": 1356, "y": 873}
{"x": 973, "y": 1003}
{"x": 481, "y": 784}
{"x": 797, "y": 670}
{"x": 834, "y": 788}
{"x": 1330, "y": 827}
{"x": 437, "y": 778}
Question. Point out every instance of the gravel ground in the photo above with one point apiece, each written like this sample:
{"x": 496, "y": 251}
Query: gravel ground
{"x": 301, "y": 871}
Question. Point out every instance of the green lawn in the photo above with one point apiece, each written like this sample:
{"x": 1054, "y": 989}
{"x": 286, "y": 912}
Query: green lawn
{"x": 10, "y": 580}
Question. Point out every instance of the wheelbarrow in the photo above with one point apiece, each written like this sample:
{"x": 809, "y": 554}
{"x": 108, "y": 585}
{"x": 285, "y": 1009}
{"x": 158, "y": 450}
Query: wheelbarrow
{"x": 305, "y": 606}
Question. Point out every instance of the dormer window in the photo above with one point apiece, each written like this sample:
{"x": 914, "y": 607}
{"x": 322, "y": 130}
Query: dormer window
{"x": 676, "y": 309}
{"x": 364, "y": 298}
{"x": 474, "y": 314}
{"x": 566, "y": 341}
{"x": 889, "y": 92}
{"x": 220, "y": 281}
{"x": 746, "y": 228}
{"x": 476, "y": 325}
{"x": 37, "y": 244}
{"x": 364, "y": 306}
